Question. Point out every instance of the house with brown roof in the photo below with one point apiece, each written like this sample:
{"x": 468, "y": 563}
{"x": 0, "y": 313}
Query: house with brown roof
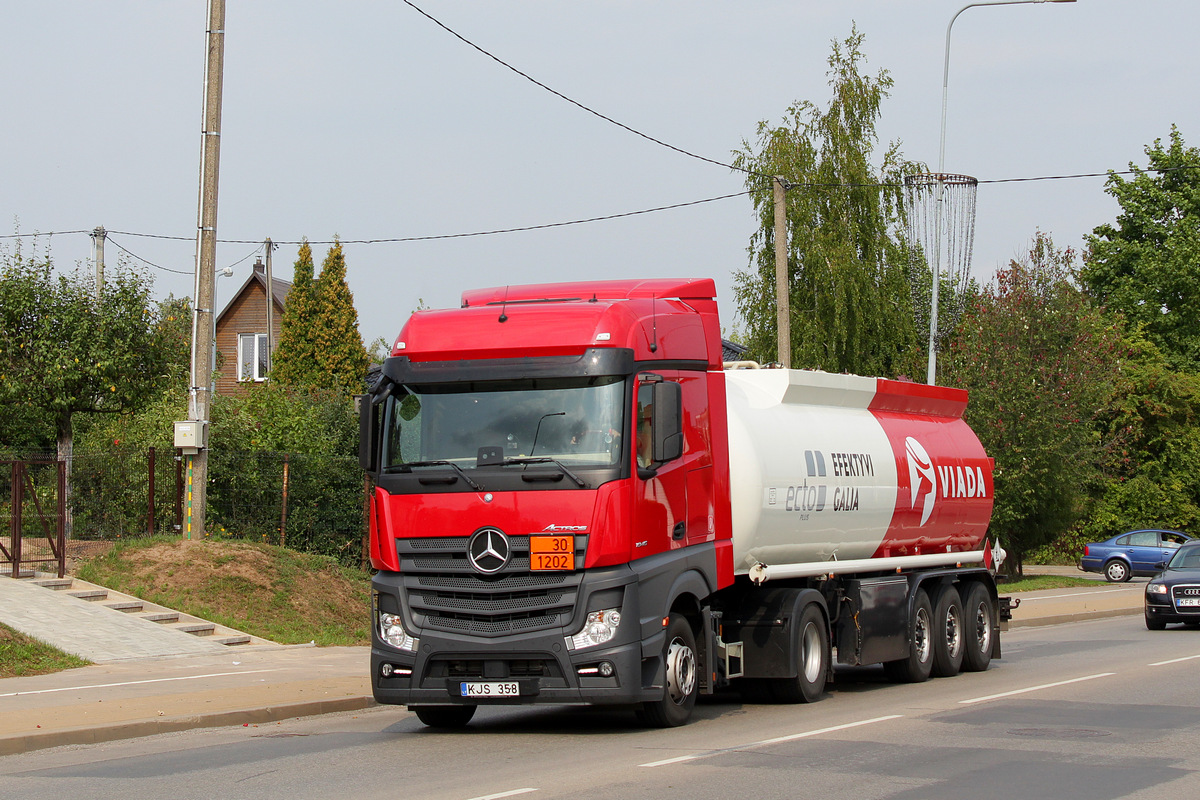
{"x": 241, "y": 331}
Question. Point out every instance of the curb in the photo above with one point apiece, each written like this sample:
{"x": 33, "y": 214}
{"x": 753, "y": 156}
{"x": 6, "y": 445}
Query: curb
{"x": 1081, "y": 616}
{"x": 24, "y": 743}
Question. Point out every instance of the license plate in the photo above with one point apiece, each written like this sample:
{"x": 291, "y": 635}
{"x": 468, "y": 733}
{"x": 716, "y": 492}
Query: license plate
{"x": 489, "y": 689}
{"x": 551, "y": 553}
{"x": 1188, "y": 601}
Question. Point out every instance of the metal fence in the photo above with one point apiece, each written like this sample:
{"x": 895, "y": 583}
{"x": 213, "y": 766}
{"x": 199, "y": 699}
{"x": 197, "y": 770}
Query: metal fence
{"x": 305, "y": 502}
{"x": 34, "y": 513}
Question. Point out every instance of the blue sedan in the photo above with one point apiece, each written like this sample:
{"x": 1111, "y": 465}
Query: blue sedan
{"x": 1134, "y": 553}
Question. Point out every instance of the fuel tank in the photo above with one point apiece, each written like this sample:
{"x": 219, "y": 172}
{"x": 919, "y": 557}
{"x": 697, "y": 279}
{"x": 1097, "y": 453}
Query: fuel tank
{"x": 827, "y": 467}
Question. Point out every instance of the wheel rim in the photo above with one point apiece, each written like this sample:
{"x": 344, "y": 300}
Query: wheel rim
{"x": 812, "y": 653}
{"x": 681, "y": 671}
{"x": 954, "y": 634}
{"x": 1116, "y": 571}
{"x": 983, "y": 629}
{"x": 922, "y": 643}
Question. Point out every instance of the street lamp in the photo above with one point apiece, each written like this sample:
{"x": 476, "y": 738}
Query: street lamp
{"x": 931, "y": 377}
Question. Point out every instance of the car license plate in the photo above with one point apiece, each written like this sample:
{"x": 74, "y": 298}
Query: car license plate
{"x": 489, "y": 689}
{"x": 1188, "y": 601}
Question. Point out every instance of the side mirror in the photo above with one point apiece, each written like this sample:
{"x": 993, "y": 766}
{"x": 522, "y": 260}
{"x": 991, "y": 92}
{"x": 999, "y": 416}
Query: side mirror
{"x": 668, "y": 421}
{"x": 368, "y": 433}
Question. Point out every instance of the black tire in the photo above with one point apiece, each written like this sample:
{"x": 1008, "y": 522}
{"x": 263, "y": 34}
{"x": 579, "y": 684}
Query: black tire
{"x": 977, "y": 643}
{"x": 917, "y": 667}
{"x": 681, "y": 678}
{"x": 813, "y": 653}
{"x": 1153, "y": 624}
{"x": 444, "y": 716}
{"x": 949, "y": 633}
{"x": 1117, "y": 571}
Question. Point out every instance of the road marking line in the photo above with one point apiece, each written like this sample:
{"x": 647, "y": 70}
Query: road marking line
{"x": 1034, "y": 688}
{"x": 513, "y": 793}
{"x": 1173, "y": 661}
{"x": 136, "y": 683}
{"x": 776, "y": 740}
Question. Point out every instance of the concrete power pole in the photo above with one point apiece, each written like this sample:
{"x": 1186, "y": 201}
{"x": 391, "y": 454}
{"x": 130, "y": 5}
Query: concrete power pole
{"x": 783, "y": 310}
{"x": 98, "y": 237}
{"x": 206, "y": 279}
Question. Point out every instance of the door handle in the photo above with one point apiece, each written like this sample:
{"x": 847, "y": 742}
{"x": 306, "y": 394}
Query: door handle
{"x": 679, "y": 531}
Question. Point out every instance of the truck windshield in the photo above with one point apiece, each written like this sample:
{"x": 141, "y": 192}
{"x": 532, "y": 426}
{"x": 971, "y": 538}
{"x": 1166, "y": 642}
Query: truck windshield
{"x": 576, "y": 421}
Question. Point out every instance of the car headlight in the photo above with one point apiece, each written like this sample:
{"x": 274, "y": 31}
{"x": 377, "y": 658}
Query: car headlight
{"x": 393, "y": 633}
{"x": 1156, "y": 588}
{"x": 600, "y": 627}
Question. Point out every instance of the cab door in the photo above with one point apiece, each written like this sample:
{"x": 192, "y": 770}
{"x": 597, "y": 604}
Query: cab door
{"x": 659, "y": 486}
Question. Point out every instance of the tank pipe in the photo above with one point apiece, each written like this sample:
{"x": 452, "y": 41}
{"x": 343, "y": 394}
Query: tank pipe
{"x": 761, "y": 573}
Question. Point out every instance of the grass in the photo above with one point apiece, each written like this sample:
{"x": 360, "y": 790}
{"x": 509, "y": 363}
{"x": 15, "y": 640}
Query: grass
{"x": 1032, "y": 583}
{"x": 21, "y": 656}
{"x": 264, "y": 590}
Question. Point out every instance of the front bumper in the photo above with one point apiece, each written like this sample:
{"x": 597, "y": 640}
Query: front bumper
{"x": 540, "y": 662}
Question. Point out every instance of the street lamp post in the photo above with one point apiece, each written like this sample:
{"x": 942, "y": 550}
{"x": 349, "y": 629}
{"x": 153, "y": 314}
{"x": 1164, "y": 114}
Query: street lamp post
{"x": 931, "y": 377}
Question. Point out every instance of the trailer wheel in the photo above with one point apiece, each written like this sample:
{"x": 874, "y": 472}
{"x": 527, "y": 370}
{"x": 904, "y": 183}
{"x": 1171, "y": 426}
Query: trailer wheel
{"x": 917, "y": 667}
{"x": 948, "y": 633}
{"x": 812, "y": 660}
{"x": 444, "y": 716}
{"x": 681, "y": 678}
{"x": 977, "y": 612}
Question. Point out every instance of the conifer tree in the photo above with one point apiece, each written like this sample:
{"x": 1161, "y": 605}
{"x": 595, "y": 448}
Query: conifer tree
{"x": 293, "y": 363}
{"x": 340, "y": 357}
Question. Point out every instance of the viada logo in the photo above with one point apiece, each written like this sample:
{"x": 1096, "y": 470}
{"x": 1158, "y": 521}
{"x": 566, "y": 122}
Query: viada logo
{"x": 922, "y": 478}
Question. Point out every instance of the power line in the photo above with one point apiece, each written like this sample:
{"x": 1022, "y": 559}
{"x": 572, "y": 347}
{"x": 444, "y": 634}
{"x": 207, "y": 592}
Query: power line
{"x": 575, "y": 103}
{"x": 127, "y": 252}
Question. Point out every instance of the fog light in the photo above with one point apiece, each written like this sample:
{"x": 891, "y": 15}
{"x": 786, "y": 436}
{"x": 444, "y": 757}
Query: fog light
{"x": 606, "y": 669}
{"x": 386, "y": 670}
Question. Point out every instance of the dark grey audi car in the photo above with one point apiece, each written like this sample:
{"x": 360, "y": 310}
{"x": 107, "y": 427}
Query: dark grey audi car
{"x": 1174, "y": 596}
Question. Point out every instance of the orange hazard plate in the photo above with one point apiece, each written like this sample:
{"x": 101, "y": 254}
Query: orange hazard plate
{"x": 551, "y": 553}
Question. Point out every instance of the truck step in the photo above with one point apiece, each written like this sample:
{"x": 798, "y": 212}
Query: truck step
{"x": 90, "y": 595}
{"x": 127, "y": 606}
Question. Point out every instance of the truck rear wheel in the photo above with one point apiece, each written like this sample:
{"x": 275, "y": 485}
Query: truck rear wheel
{"x": 681, "y": 678}
{"x": 917, "y": 667}
{"x": 948, "y": 633}
{"x": 812, "y": 660}
{"x": 444, "y": 716}
{"x": 977, "y": 612}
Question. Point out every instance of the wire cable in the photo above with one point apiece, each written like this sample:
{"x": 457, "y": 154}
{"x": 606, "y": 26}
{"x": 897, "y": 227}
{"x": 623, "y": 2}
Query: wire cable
{"x": 575, "y": 103}
{"x": 123, "y": 249}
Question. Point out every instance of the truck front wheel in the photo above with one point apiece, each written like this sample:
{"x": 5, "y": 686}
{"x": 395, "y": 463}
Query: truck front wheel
{"x": 681, "y": 677}
{"x": 444, "y": 716}
{"x": 812, "y": 660}
{"x": 917, "y": 667}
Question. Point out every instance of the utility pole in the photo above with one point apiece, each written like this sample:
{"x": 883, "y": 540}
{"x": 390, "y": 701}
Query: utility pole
{"x": 206, "y": 279}
{"x": 783, "y": 319}
{"x": 98, "y": 237}
{"x": 270, "y": 309}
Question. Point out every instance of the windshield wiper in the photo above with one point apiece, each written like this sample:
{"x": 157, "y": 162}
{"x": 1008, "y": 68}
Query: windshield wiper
{"x": 547, "y": 460}
{"x": 443, "y": 463}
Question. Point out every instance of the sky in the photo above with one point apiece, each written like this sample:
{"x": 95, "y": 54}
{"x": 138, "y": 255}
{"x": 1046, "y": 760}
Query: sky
{"x": 368, "y": 121}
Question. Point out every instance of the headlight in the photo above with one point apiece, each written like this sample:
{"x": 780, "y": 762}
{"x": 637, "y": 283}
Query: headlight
{"x": 600, "y": 627}
{"x": 1156, "y": 588}
{"x": 392, "y": 632}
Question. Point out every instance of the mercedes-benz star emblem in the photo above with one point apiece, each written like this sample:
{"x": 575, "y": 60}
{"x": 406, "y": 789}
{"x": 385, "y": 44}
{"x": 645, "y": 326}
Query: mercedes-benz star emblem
{"x": 488, "y": 550}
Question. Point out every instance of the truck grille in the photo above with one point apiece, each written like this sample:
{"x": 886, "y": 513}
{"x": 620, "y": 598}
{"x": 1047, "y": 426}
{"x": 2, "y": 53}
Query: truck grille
{"x": 446, "y": 593}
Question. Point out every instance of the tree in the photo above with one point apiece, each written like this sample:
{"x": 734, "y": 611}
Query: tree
{"x": 1147, "y": 264}
{"x": 319, "y": 343}
{"x": 339, "y": 350}
{"x": 1039, "y": 362}
{"x": 294, "y": 363}
{"x": 66, "y": 351}
{"x": 847, "y": 276}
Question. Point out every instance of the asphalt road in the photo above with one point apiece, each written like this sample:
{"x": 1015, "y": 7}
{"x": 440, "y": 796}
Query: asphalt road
{"x": 1098, "y": 709}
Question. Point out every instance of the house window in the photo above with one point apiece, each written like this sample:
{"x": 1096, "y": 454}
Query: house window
{"x": 252, "y": 357}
